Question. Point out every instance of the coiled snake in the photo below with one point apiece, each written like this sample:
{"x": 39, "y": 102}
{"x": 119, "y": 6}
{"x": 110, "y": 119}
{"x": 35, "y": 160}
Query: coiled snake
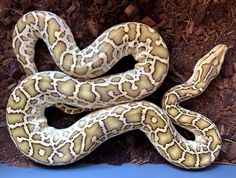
{"x": 115, "y": 95}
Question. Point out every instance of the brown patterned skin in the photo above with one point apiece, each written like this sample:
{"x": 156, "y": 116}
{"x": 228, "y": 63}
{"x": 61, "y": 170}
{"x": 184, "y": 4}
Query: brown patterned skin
{"x": 115, "y": 94}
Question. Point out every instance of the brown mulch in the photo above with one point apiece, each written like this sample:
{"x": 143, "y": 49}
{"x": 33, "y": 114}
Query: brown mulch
{"x": 190, "y": 29}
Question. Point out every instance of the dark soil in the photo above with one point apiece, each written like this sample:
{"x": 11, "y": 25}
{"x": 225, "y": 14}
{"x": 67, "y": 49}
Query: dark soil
{"x": 190, "y": 29}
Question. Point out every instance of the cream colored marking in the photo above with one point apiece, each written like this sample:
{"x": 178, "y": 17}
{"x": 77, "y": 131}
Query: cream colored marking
{"x": 63, "y": 151}
{"x": 108, "y": 50}
{"x": 173, "y": 111}
{"x": 41, "y": 152}
{"x": 93, "y": 133}
{"x": 19, "y": 132}
{"x": 144, "y": 83}
{"x": 116, "y": 35}
{"x": 146, "y": 34}
{"x": 205, "y": 159}
{"x": 213, "y": 133}
{"x": 202, "y": 123}
{"x": 23, "y": 146}
{"x": 41, "y": 21}
{"x": 16, "y": 49}
{"x": 127, "y": 86}
{"x": 161, "y": 68}
{"x": 82, "y": 70}
{"x": 171, "y": 99}
{"x": 30, "y": 19}
{"x": 77, "y": 144}
{"x": 112, "y": 124}
{"x": 186, "y": 119}
{"x": 175, "y": 152}
{"x": 68, "y": 61}
{"x": 190, "y": 160}
{"x": 15, "y": 118}
{"x": 132, "y": 32}
{"x": 20, "y": 26}
{"x": 59, "y": 48}
{"x": 53, "y": 27}
{"x": 154, "y": 120}
{"x": 152, "y": 116}
{"x": 165, "y": 137}
{"x": 98, "y": 63}
{"x": 66, "y": 87}
{"x": 133, "y": 115}
{"x": 36, "y": 137}
{"x": 45, "y": 83}
{"x": 115, "y": 79}
{"x": 189, "y": 91}
{"x": 17, "y": 102}
{"x": 119, "y": 110}
{"x": 86, "y": 93}
{"x": 104, "y": 92}
{"x": 29, "y": 87}
{"x": 39, "y": 157}
{"x": 82, "y": 123}
{"x": 160, "y": 51}
{"x": 31, "y": 128}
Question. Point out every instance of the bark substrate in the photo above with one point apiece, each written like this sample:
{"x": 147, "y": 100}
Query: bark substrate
{"x": 190, "y": 29}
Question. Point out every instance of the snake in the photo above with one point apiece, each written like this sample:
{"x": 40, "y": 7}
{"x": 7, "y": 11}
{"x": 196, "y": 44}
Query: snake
{"x": 116, "y": 100}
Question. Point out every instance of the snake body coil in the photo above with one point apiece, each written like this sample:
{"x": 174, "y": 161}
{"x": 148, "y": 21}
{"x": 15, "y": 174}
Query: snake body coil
{"x": 114, "y": 94}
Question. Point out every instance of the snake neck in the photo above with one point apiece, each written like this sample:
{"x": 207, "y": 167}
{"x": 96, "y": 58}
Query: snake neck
{"x": 206, "y": 69}
{"x": 204, "y": 130}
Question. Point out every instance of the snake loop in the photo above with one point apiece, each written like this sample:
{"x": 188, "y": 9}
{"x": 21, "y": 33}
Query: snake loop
{"x": 139, "y": 40}
{"x": 79, "y": 86}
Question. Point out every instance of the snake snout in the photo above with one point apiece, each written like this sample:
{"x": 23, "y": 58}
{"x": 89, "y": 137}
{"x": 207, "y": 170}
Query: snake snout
{"x": 209, "y": 65}
{"x": 219, "y": 52}
{"x": 217, "y": 57}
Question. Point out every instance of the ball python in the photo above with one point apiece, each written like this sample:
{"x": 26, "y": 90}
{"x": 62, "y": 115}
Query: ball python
{"x": 114, "y": 96}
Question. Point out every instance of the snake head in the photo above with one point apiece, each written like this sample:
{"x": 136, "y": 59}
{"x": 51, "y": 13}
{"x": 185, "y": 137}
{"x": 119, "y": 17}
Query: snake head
{"x": 208, "y": 67}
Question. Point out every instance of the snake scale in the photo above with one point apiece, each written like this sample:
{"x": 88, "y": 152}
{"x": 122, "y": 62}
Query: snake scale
{"x": 79, "y": 88}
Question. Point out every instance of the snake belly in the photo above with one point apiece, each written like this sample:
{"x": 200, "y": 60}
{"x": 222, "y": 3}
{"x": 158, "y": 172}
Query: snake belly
{"x": 115, "y": 94}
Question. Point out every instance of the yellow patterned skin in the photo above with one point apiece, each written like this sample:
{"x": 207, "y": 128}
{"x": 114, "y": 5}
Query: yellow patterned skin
{"x": 136, "y": 39}
{"x": 114, "y": 96}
